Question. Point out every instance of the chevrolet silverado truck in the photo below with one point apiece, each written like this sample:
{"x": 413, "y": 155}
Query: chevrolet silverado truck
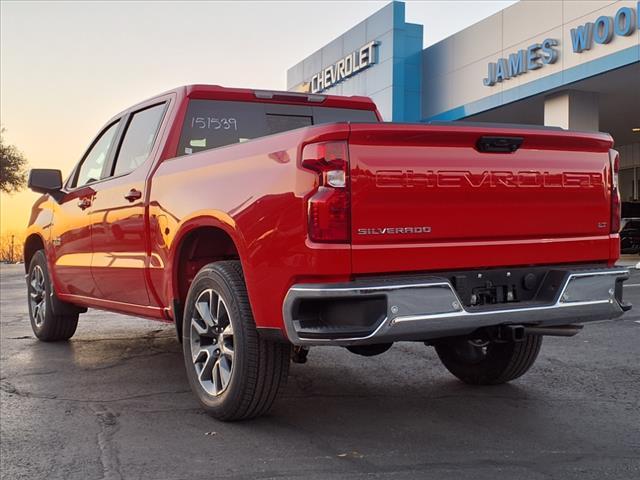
{"x": 263, "y": 223}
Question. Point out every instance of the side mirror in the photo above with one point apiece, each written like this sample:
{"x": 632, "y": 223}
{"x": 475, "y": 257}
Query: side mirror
{"x": 45, "y": 180}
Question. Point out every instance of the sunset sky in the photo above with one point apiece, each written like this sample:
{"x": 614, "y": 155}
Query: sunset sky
{"x": 67, "y": 67}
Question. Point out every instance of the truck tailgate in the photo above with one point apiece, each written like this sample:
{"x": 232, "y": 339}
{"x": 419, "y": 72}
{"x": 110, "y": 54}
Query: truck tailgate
{"x": 426, "y": 197}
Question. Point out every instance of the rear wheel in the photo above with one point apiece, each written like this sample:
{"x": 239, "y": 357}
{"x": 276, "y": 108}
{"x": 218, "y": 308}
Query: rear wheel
{"x": 233, "y": 372}
{"x": 480, "y": 362}
{"x": 51, "y": 319}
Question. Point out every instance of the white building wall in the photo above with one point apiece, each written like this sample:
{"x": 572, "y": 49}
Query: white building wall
{"x": 454, "y": 69}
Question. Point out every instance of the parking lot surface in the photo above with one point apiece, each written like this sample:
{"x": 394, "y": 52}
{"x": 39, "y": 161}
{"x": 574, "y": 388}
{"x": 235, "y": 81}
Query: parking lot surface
{"x": 114, "y": 403}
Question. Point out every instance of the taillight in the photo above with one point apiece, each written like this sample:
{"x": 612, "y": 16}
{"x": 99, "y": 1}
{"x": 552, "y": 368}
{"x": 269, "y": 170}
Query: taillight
{"x": 616, "y": 205}
{"x": 328, "y": 208}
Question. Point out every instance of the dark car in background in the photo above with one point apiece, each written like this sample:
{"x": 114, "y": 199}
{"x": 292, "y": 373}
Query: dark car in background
{"x": 630, "y": 236}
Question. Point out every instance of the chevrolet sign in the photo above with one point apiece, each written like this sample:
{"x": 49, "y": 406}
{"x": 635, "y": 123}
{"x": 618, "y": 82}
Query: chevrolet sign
{"x": 344, "y": 68}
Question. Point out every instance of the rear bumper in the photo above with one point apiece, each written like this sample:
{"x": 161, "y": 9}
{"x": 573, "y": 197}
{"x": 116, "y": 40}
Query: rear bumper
{"x": 424, "y": 308}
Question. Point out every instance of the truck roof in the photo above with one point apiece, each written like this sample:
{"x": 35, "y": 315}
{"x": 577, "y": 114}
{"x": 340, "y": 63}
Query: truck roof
{"x": 217, "y": 92}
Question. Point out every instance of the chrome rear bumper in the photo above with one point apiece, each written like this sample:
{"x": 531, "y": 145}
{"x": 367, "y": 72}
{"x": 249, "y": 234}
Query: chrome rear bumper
{"x": 430, "y": 308}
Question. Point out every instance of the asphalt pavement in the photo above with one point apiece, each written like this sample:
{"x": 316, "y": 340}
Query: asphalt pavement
{"x": 113, "y": 403}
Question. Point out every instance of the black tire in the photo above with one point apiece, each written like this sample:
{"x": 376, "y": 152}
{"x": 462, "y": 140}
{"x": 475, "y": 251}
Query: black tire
{"x": 52, "y": 319}
{"x": 254, "y": 370}
{"x": 490, "y": 364}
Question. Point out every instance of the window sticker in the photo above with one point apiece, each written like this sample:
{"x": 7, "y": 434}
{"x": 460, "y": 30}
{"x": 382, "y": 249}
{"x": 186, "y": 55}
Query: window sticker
{"x": 198, "y": 142}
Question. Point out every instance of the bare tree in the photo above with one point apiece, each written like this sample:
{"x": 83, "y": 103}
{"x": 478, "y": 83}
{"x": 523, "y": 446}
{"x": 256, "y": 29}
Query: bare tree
{"x": 13, "y": 173}
{"x": 11, "y": 247}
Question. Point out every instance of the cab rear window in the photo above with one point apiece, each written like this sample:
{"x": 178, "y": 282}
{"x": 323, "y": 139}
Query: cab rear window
{"x": 216, "y": 123}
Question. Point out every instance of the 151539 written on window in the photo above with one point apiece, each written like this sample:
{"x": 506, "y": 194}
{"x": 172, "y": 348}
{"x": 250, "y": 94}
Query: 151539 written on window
{"x": 212, "y": 123}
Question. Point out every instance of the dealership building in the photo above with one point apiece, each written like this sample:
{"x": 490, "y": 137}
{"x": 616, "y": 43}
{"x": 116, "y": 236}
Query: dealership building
{"x": 572, "y": 64}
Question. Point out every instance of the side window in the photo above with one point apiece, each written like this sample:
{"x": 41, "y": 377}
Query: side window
{"x": 138, "y": 139}
{"x": 91, "y": 167}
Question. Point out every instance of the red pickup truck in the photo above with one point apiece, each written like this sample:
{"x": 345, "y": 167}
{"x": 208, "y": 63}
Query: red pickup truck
{"x": 262, "y": 223}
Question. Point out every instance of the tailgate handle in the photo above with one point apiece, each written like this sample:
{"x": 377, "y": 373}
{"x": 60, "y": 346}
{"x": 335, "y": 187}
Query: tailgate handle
{"x": 487, "y": 144}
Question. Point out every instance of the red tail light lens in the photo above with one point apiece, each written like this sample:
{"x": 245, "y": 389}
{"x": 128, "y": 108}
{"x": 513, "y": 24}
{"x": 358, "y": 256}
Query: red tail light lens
{"x": 329, "y": 207}
{"x": 616, "y": 204}
{"x": 328, "y": 216}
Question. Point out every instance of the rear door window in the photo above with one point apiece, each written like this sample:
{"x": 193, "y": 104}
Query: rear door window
{"x": 216, "y": 123}
{"x": 138, "y": 139}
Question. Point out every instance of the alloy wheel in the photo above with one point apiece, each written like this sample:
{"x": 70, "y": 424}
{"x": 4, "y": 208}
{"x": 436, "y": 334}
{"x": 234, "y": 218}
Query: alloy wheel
{"x": 211, "y": 340}
{"x": 37, "y": 296}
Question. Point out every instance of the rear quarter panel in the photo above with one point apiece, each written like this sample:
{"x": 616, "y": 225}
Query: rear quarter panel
{"x": 256, "y": 193}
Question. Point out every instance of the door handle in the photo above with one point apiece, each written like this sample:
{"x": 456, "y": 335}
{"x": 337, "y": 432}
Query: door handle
{"x": 133, "y": 195}
{"x": 84, "y": 203}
